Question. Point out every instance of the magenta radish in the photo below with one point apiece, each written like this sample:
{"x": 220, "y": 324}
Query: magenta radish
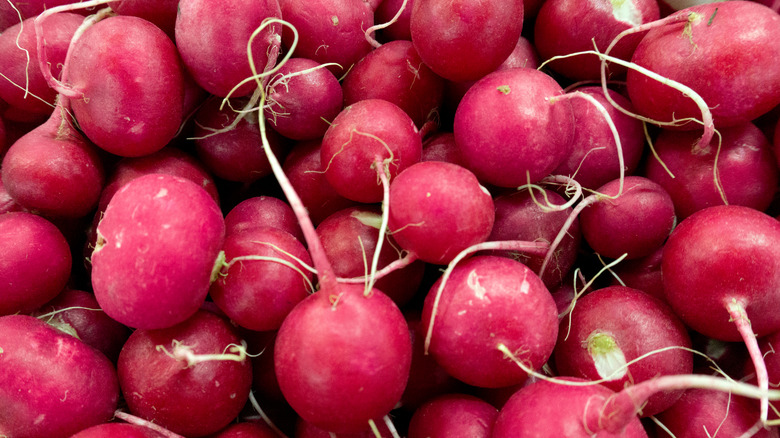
{"x": 466, "y": 39}
{"x": 746, "y": 170}
{"x": 394, "y": 72}
{"x": 7, "y": 203}
{"x": 525, "y": 150}
{"x": 162, "y": 13}
{"x": 568, "y": 26}
{"x": 24, "y": 87}
{"x": 117, "y": 430}
{"x": 608, "y": 328}
{"x": 643, "y": 273}
{"x": 635, "y": 222}
{"x": 36, "y": 262}
{"x": 453, "y": 415}
{"x": 438, "y": 209}
{"x": 247, "y": 430}
{"x": 441, "y": 147}
{"x": 261, "y": 280}
{"x": 488, "y": 301}
{"x": 125, "y": 82}
{"x": 53, "y": 170}
{"x": 364, "y": 132}
{"x": 519, "y": 217}
{"x": 303, "y": 98}
{"x": 707, "y": 47}
{"x": 192, "y": 379}
{"x": 262, "y": 211}
{"x": 593, "y": 160}
{"x": 51, "y": 384}
{"x": 304, "y": 429}
{"x": 212, "y": 38}
{"x": 399, "y": 30}
{"x": 156, "y": 250}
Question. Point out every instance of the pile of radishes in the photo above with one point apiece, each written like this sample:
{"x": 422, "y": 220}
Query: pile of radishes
{"x": 386, "y": 218}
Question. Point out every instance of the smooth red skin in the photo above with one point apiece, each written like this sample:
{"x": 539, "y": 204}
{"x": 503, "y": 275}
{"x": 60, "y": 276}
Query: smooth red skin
{"x": 348, "y": 153}
{"x": 193, "y": 401}
{"x": 247, "y": 430}
{"x": 643, "y": 273}
{"x": 569, "y": 26}
{"x": 427, "y": 379}
{"x": 170, "y": 231}
{"x": 746, "y": 168}
{"x": 168, "y": 160}
{"x": 441, "y": 147}
{"x": 57, "y": 31}
{"x": 304, "y": 429}
{"x": 519, "y": 217}
{"x": 700, "y": 409}
{"x": 636, "y": 223}
{"x": 54, "y": 170}
{"x": 593, "y": 160}
{"x": 721, "y": 254}
{"x": 628, "y": 316}
{"x": 551, "y": 410}
{"x": 395, "y": 72}
{"x": 9, "y": 15}
{"x": 235, "y": 155}
{"x": 465, "y": 39}
{"x": 400, "y": 29}
{"x": 304, "y": 170}
{"x": 350, "y": 244}
{"x": 734, "y": 69}
{"x": 438, "y": 209}
{"x": 262, "y": 211}
{"x": 483, "y": 305}
{"x": 454, "y": 416}
{"x": 321, "y": 39}
{"x": 515, "y": 138}
{"x": 7, "y": 203}
{"x": 212, "y": 39}
{"x": 35, "y": 262}
{"x": 117, "y": 430}
{"x": 93, "y": 327}
{"x": 258, "y": 295}
{"x": 161, "y": 13}
{"x": 51, "y": 384}
{"x": 302, "y": 107}
{"x": 128, "y": 71}
{"x": 340, "y": 366}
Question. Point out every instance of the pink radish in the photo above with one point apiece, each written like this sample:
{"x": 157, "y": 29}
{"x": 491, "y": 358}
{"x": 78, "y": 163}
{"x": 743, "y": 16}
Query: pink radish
{"x": 262, "y": 211}
{"x": 453, "y": 415}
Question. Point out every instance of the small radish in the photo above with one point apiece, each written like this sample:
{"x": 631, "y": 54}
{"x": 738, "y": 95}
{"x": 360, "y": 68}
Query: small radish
{"x": 453, "y": 415}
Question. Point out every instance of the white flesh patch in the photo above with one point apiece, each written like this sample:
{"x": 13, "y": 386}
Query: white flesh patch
{"x": 162, "y": 193}
{"x": 608, "y": 358}
{"x": 368, "y": 219}
{"x": 625, "y": 11}
{"x": 473, "y": 282}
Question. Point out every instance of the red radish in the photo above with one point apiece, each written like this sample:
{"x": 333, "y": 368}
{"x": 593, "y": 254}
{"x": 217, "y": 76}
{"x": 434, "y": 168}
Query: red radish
{"x": 212, "y": 38}
{"x": 399, "y": 30}
{"x": 441, "y": 147}
{"x": 734, "y": 69}
{"x": 7, "y": 203}
{"x": 746, "y": 170}
{"x": 78, "y": 314}
{"x": 528, "y": 148}
{"x": 438, "y": 209}
{"x": 455, "y": 416}
{"x": 261, "y": 281}
{"x": 54, "y": 170}
{"x": 262, "y": 211}
{"x": 394, "y": 72}
{"x": 594, "y": 160}
{"x": 247, "y": 430}
{"x": 636, "y": 222}
{"x": 162, "y": 13}
{"x": 304, "y": 429}
{"x": 465, "y": 39}
{"x": 643, "y": 273}
{"x": 24, "y": 87}
{"x": 568, "y": 26}
{"x": 362, "y": 133}
{"x": 303, "y": 98}
{"x": 488, "y": 301}
{"x": 117, "y": 430}
{"x": 192, "y": 379}
{"x": 51, "y": 384}
{"x": 608, "y": 329}
{"x": 126, "y": 85}
{"x": 36, "y": 262}
{"x": 157, "y": 247}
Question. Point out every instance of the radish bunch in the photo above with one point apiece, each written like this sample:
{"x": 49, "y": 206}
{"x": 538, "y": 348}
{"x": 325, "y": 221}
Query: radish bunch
{"x": 386, "y": 218}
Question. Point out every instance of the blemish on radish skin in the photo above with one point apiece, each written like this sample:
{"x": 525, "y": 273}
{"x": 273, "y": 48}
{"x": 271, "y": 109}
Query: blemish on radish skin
{"x": 626, "y": 11}
{"x": 335, "y": 20}
{"x": 39, "y": 419}
{"x": 161, "y": 194}
{"x": 473, "y": 282}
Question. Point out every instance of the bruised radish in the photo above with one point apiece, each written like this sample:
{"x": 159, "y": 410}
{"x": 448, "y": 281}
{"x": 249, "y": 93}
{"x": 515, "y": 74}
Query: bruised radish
{"x": 51, "y": 384}
{"x": 489, "y": 301}
{"x": 171, "y": 377}
{"x": 157, "y": 247}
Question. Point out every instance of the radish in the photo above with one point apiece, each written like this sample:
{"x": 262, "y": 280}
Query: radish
{"x": 162, "y": 13}
{"x": 247, "y": 430}
{"x": 156, "y": 250}
{"x": 399, "y": 29}
{"x": 441, "y": 147}
{"x": 117, "y": 430}
{"x": 262, "y": 211}
{"x": 453, "y": 415}
{"x": 643, "y": 273}
{"x": 36, "y": 262}
{"x": 51, "y": 384}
